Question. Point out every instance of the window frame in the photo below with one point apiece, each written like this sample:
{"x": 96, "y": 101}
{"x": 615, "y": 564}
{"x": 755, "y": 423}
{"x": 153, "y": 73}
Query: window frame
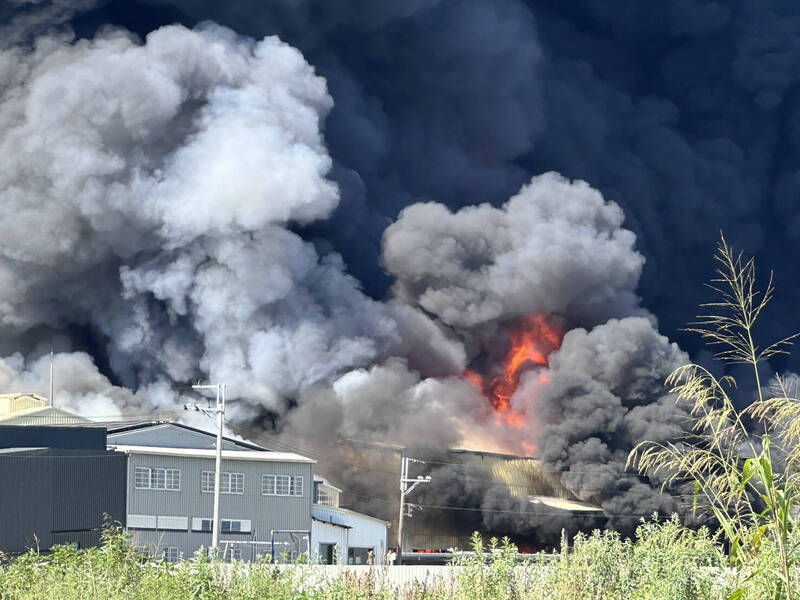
{"x": 225, "y": 480}
{"x": 234, "y": 554}
{"x": 162, "y": 475}
{"x": 169, "y": 557}
{"x": 239, "y": 525}
{"x": 287, "y": 486}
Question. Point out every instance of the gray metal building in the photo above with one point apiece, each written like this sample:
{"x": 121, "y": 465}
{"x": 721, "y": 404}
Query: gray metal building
{"x": 265, "y": 501}
{"x": 169, "y": 434}
{"x": 57, "y": 485}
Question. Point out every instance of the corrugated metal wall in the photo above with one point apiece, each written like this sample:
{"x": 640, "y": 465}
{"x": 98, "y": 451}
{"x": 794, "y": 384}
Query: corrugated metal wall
{"x": 48, "y": 491}
{"x": 31, "y": 436}
{"x": 85, "y": 488}
{"x": 265, "y": 512}
{"x": 169, "y": 436}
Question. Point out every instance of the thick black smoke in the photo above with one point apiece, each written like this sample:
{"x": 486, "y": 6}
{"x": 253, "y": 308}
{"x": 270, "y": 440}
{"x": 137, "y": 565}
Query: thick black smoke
{"x": 282, "y": 213}
{"x": 681, "y": 113}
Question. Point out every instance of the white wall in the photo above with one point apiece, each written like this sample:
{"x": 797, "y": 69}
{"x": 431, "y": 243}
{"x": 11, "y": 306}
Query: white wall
{"x": 325, "y": 533}
{"x": 364, "y": 532}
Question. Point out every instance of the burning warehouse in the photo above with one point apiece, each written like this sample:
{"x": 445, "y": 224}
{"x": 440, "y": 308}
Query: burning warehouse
{"x": 453, "y": 503}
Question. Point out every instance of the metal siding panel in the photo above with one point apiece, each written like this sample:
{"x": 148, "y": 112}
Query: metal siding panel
{"x": 27, "y": 436}
{"x": 168, "y": 436}
{"x": 25, "y": 506}
{"x": 86, "y": 489}
{"x": 142, "y": 521}
{"x": 84, "y": 539}
{"x": 266, "y": 513}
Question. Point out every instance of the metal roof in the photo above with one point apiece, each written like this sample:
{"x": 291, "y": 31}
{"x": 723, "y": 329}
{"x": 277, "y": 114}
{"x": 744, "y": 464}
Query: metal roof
{"x": 123, "y": 426}
{"x": 247, "y": 455}
{"x": 347, "y": 511}
{"x": 318, "y": 520}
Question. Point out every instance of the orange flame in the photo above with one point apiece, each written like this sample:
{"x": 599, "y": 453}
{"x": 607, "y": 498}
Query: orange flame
{"x": 532, "y": 339}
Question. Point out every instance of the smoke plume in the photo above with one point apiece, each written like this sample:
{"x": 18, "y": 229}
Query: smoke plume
{"x": 336, "y": 211}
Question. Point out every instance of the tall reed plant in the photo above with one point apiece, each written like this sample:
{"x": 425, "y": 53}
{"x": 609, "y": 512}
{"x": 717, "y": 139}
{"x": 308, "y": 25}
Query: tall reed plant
{"x": 729, "y": 454}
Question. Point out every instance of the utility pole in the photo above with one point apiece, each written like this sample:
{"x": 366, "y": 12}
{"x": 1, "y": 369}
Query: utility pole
{"x": 51, "y": 377}
{"x": 220, "y": 412}
{"x": 406, "y": 486}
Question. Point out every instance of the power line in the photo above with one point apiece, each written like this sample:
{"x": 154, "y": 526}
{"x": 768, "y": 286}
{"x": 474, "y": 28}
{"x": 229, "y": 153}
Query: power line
{"x": 517, "y": 512}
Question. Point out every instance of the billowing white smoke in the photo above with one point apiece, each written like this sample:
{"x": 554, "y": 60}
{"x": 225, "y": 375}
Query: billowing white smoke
{"x": 81, "y": 388}
{"x": 146, "y": 192}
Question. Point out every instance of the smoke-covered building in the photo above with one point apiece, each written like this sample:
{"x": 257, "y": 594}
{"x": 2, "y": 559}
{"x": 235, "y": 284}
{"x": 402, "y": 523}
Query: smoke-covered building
{"x": 492, "y": 493}
{"x": 31, "y": 409}
{"x": 60, "y": 484}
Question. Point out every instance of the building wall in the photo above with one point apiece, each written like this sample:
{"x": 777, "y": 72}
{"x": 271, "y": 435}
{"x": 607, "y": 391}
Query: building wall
{"x": 169, "y": 436}
{"x": 43, "y": 416}
{"x": 364, "y": 532}
{"x": 58, "y": 496}
{"x": 326, "y": 533}
{"x": 13, "y": 403}
{"x": 266, "y": 513}
{"x": 31, "y": 436}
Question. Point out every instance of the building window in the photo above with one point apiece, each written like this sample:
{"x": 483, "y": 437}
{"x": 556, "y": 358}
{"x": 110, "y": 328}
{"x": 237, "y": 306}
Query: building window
{"x": 360, "y": 556}
{"x": 147, "y": 478}
{"x": 281, "y": 485}
{"x": 231, "y": 526}
{"x": 234, "y": 483}
{"x": 173, "y": 479}
{"x": 171, "y": 554}
{"x": 230, "y": 483}
{"x": 234, "y": 553}
{"x": 325, "y": 495}
{"x": 228, "y": 525}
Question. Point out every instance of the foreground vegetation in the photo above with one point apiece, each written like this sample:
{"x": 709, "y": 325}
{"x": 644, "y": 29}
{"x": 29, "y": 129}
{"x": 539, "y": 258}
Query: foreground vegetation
{"x": 666, "y": 561}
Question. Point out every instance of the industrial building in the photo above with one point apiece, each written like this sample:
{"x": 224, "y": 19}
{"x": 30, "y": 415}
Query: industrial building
{"x": 59, "y": 484}
{"x": 169, "y": 433}
{"x": 156, "y": 478}
{"x": 459, "y": 480}
{"x": 342, "y": 536}
{"x": 31, "y": 409}
{"x": 265, "y": 501}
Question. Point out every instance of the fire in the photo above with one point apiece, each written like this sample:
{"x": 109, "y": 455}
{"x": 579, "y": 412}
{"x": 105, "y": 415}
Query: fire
{"x": 532, "y": 339}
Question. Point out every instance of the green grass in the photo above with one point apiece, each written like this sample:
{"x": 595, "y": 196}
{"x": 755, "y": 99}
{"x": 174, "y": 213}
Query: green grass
{"x": 666, "y": 560}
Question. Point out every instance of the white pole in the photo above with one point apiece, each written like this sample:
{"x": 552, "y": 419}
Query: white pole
{"x": 406, "y": 489}
{"x": 216, "y": 524}
{"x": 218, "y": 470}
{"x": 51, "y": 378}
{"x": 403, "y": 476}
